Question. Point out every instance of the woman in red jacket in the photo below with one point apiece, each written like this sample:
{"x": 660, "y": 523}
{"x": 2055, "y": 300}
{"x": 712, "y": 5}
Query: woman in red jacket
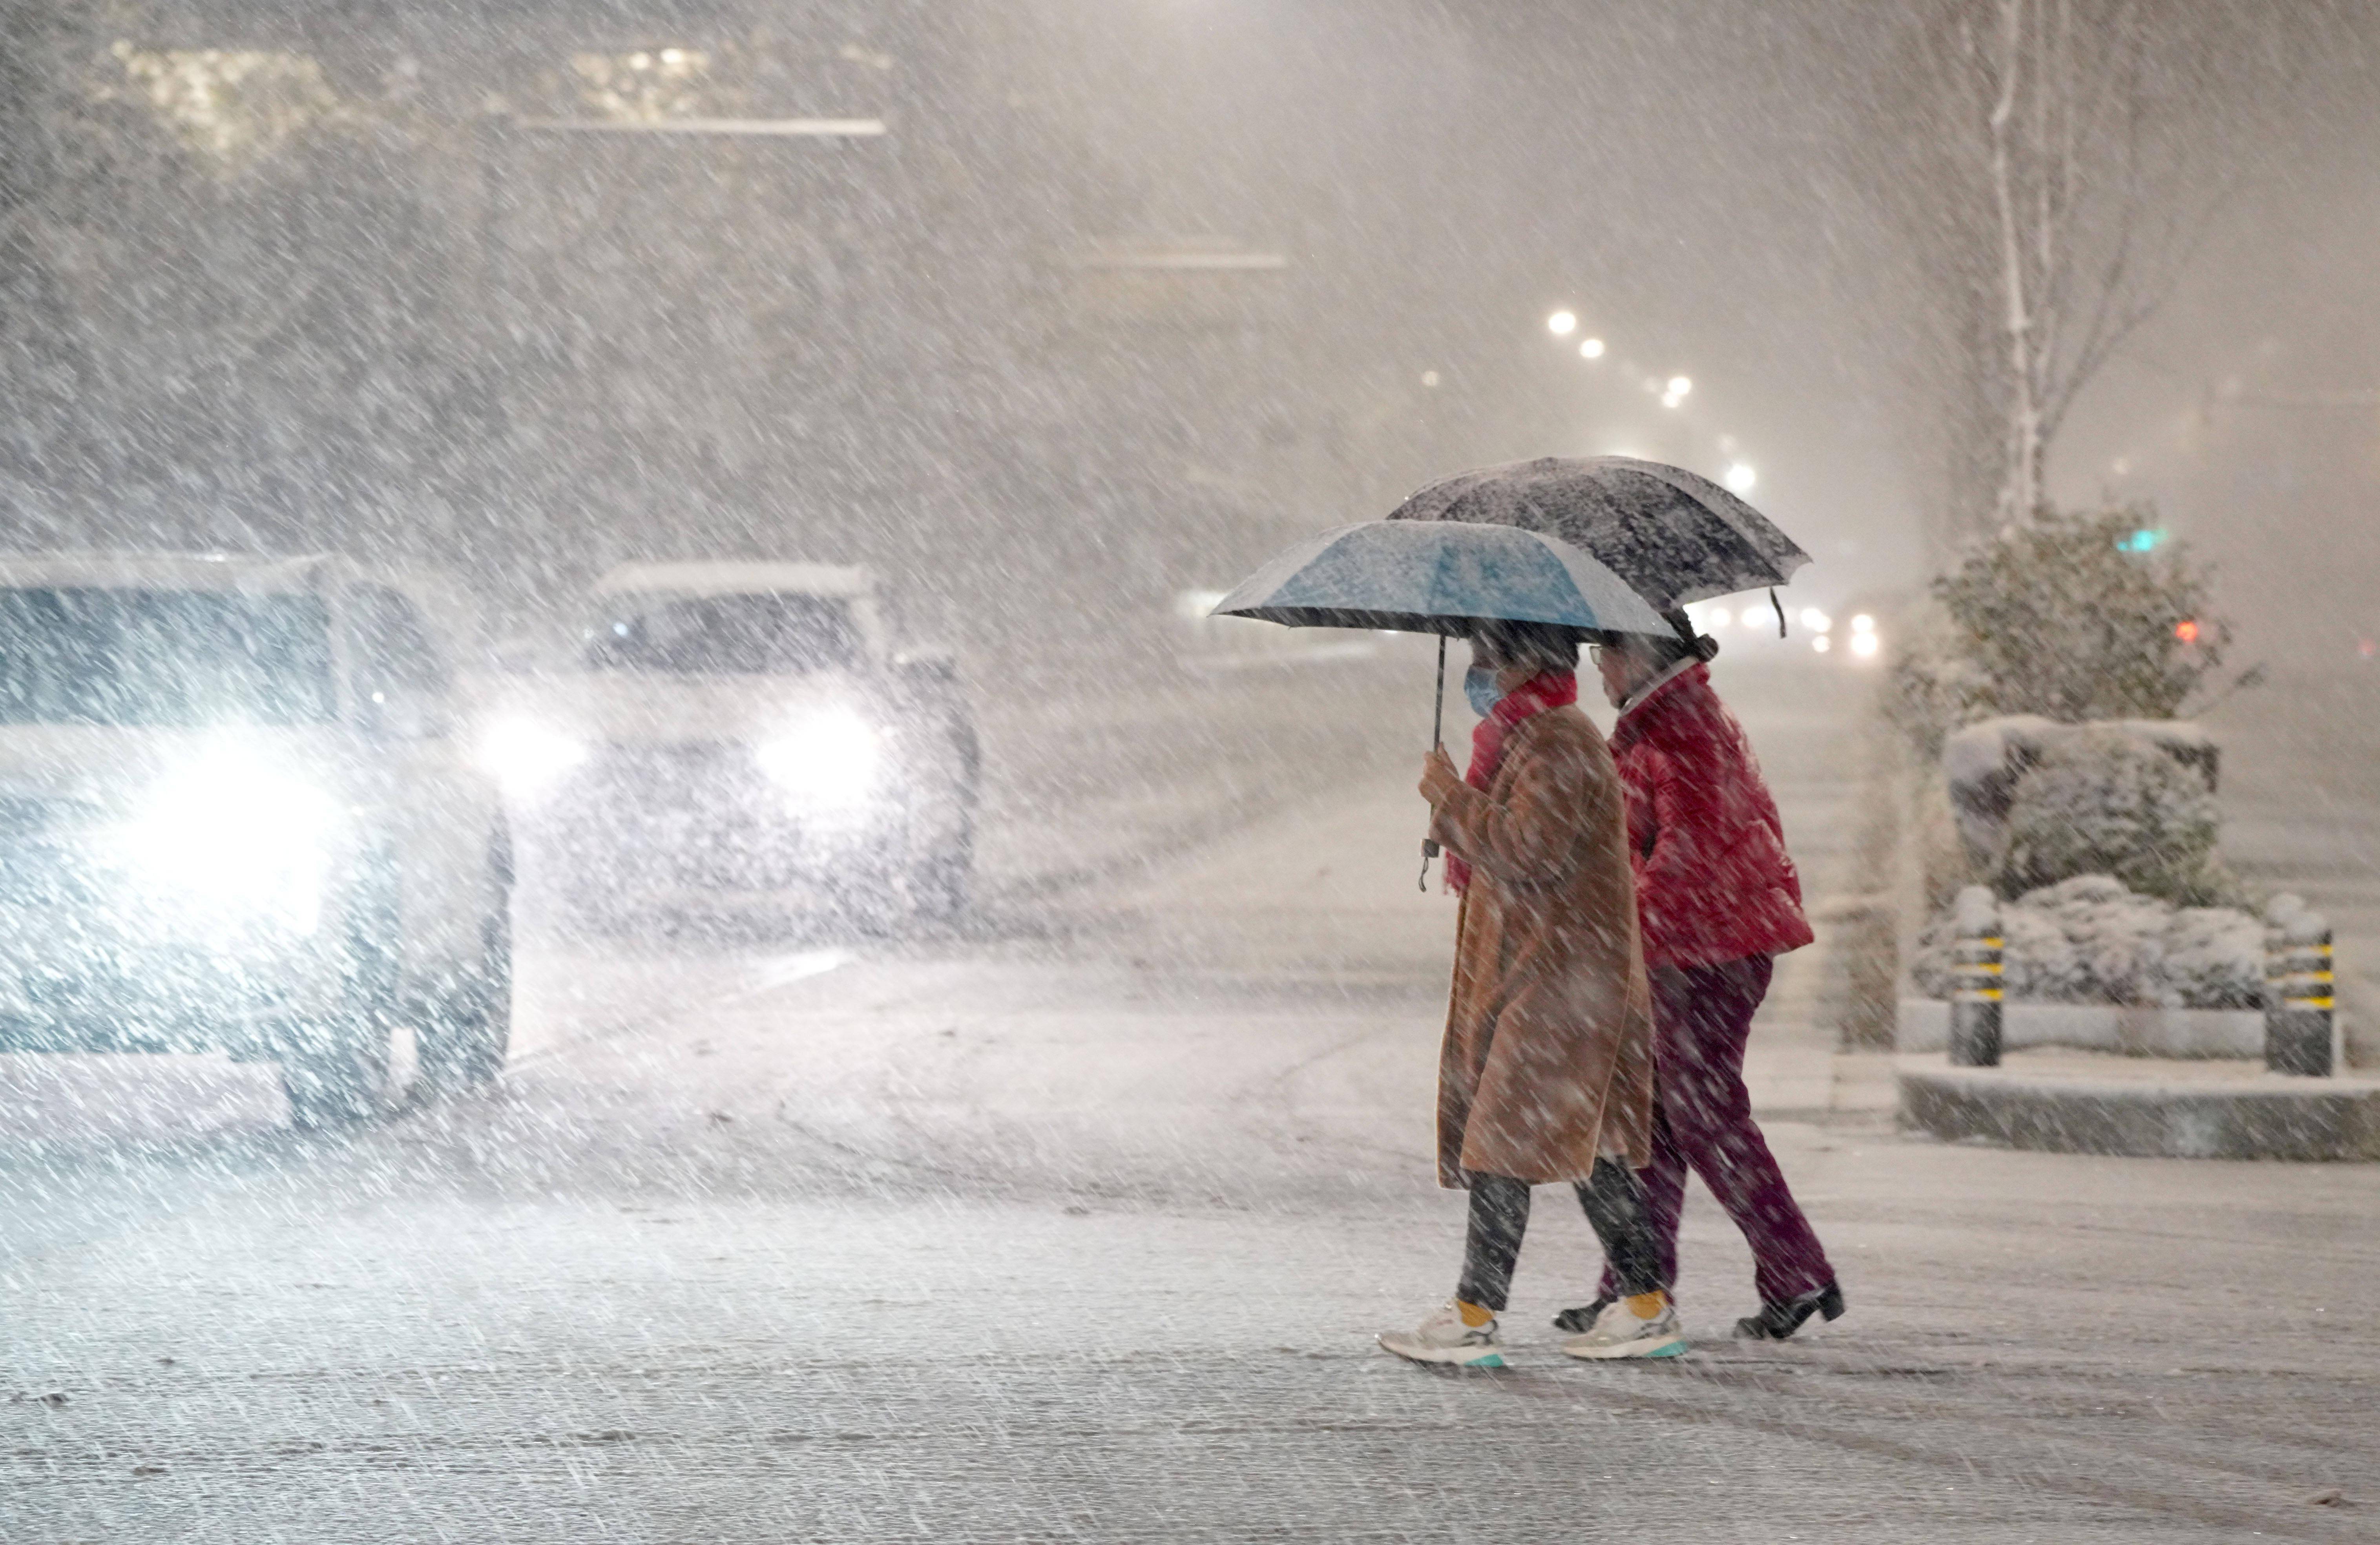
{"x": 1719, "y": 900}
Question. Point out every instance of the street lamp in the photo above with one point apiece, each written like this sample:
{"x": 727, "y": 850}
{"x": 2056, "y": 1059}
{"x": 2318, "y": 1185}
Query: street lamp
{"x": 1740, "y": 477}
{"x": 1562, "y": 324}
{"x": 1590, "y": 349}
{"x": 1680, "y": 385}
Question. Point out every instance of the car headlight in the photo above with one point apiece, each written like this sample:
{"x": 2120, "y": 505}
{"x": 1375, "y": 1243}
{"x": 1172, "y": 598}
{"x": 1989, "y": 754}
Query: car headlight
{"x": 832, "y": 759}
{"x": 229, "y": 839}
{"x": 527, "y": 757}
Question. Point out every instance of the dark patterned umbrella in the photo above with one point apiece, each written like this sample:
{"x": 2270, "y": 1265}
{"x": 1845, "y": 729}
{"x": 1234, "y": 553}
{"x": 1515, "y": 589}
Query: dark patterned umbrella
{"x": 1673, "y": 536}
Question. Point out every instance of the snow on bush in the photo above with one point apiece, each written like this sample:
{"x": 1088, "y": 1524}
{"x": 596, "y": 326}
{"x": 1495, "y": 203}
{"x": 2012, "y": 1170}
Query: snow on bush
{"x": 2089, "y": 940}
{"x": 2062, "y": 616}
{"x": 2104, "y": 803}
{"x": 2213, "y": 957}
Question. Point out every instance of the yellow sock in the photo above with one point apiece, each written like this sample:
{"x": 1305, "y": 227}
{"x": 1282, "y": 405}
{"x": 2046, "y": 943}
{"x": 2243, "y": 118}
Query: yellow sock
{"x": 1647, "y": 1306}
{"x": 1472, "y": 1315}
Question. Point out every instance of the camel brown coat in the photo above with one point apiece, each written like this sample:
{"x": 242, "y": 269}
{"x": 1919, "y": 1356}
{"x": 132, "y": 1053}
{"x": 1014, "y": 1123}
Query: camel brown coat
{"x": 1549, "y": 1053}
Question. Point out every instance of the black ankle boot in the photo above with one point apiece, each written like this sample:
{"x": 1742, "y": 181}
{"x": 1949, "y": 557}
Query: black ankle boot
{"x": 1580, "y": 1320}
{"x": 1778, "y": 1321}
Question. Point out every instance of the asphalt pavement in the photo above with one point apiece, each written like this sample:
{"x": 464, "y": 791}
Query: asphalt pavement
{"x": 1077, "y": 1223}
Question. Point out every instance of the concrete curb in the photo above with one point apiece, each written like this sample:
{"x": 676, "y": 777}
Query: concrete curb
{"x": 2248, "y": 1116}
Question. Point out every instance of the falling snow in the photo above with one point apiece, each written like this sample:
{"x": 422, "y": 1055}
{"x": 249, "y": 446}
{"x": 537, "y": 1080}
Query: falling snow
{"x": 641, "y": 899}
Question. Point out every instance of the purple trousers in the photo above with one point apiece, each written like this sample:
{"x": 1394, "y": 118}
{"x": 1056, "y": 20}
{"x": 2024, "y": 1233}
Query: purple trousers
{"x": 1701, "y": 1120}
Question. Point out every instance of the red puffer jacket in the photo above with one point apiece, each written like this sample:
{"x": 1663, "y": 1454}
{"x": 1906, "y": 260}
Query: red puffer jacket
{"x": 1713, "y": 881}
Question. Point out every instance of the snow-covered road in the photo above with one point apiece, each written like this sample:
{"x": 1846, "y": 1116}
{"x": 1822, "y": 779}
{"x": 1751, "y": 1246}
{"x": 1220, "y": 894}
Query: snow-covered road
{"x": 1077, "y": 1226}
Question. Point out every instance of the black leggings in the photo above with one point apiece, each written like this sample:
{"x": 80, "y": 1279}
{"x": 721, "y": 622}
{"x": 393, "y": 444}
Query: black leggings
{"x": 1614, "y": 1201}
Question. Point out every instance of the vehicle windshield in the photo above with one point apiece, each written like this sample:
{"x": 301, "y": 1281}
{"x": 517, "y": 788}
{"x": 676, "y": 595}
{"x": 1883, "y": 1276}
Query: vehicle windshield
{"x": 730, "y": 635}
{"x": 163, "y": 659}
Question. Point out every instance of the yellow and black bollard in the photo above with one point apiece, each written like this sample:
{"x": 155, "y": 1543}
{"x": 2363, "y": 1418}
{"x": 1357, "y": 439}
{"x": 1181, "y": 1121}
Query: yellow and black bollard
{"x": 1975, "y": 977}
{"x": 2299, "y": 1002}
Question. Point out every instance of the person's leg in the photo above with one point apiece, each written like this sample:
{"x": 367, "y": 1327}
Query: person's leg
{"x": 1639, "y": 1322}
{"x": 1492, "y": 1247}
{"x": 1462, "y": 1332}
{"x": 1704, "y": 1015}
{"x": 1617, "y": 1209}
{"x": 1664, "y": 1184}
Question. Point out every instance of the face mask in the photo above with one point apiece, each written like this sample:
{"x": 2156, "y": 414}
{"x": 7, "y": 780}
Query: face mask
{"x": 1479, "y": 689}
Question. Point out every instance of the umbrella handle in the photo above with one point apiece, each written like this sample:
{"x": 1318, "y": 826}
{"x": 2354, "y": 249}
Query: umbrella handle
{"x": 1780, "y": 610}
{"x": 1437, "y": 739}
{"x": 1438, "y": 709}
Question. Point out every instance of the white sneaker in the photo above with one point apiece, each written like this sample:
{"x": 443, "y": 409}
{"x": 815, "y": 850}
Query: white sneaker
{"x": 1444, "y": 1338}
{"x": 1618, "y": 1332}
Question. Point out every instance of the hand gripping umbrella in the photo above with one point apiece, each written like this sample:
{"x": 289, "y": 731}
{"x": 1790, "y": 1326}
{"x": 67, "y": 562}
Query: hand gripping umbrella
{"x": 1674, "y": 537}
{"x": 1441, "y": 577}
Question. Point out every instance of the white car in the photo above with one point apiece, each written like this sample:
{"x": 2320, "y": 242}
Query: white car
{"x": 235, "y": 815}
{"x": 728, "y": 730}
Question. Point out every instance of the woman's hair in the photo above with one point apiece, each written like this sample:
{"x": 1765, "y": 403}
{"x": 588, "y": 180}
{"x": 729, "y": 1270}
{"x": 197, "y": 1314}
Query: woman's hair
{"x": 1661, "y": 652}
{"x": 1547, "y": 646}
{"x": 1681, "y": 643}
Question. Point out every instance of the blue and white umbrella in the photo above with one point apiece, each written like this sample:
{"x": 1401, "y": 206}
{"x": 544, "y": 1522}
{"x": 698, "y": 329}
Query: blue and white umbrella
{"x": 1440, "y": 577}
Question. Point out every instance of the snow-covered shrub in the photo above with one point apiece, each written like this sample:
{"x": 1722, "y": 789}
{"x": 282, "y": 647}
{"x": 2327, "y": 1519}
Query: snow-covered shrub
{"x": 2103, "y": 803}
{"x": 2081, "y": 942}
{"x": 2089, "y": 940}
{"x": 2213, "y": 957}
{"x": 2066, "y": 617}
{"x": 2063, "y": 616}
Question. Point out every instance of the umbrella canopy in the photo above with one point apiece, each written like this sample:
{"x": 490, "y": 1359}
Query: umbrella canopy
{"x": 1672, "y": 536}
{"x": 1435, "y": 578}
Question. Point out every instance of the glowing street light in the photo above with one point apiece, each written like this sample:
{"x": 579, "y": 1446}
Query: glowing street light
{"x": 1817, "y": 621}
{"x": 1680, "y": 385}
{"x": 1562, "y": 324}
{"x": 1863, "y": 644}
{"x": 1590, "y": 349}
{"x": 1740, "y": 477}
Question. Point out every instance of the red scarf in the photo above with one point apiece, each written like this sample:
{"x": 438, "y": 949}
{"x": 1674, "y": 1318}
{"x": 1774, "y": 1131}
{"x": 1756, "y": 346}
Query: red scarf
{"x": 1546, "y": 689}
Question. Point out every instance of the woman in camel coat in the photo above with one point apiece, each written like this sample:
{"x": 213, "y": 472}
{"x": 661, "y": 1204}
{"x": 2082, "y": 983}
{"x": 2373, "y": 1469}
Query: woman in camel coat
{"x": 1546, "y": 1074}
